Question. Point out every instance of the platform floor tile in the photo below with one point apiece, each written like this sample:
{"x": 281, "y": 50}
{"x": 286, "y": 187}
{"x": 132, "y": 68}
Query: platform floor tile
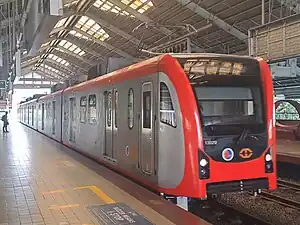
{"x": 40, "y": 184}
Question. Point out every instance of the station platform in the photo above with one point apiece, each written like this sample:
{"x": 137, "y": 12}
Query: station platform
{"x": 44, "y": 182}
{"x": 288, "y": 151}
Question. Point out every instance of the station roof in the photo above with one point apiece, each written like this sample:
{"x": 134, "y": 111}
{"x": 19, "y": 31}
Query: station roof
{"x": 91, "y": 30}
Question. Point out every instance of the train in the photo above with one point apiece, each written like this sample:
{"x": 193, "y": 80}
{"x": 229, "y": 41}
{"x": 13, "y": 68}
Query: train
{"x": 185, "y": 124}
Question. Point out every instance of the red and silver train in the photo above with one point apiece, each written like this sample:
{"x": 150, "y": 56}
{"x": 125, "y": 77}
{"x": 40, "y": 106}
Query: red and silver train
{"x": 182, "y": 124}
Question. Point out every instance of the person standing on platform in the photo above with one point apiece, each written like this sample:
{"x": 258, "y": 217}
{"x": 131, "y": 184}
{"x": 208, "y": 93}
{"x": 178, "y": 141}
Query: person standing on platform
{"x": 5, "y": 123}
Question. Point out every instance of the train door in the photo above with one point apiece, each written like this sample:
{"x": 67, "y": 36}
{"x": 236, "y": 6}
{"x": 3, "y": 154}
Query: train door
{"x": 32, "y": 109}
{"x": 53, "y": 117}
{"x": 72, "y": 119}
{"x": 28, "y": 115}
{"x": 43, "y": 116}
{"x": 146, "y": 131}
{"x": 108, "y": 151}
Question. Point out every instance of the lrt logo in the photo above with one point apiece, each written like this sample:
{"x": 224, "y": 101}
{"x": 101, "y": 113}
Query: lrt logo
{"x": 227, "y": 154}
{"x": 246, "y": 153}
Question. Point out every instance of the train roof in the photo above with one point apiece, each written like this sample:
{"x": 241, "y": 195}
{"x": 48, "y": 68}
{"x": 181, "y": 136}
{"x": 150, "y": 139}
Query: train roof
{"x": 51, "y": 95}
{"x": 151, "y": 64}
{"x": 238, "y": 58}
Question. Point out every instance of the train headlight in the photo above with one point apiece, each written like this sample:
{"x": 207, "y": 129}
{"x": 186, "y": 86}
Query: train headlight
{"x": 269, "y": 168}
{"x": 268, "y": 157}
{"x": 203, "y": 162}
{"x": 204, "y": 172}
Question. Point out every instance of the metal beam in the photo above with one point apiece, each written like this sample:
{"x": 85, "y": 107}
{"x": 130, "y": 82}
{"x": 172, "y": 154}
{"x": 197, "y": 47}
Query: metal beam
{"x": 25, "y": 71}
{"x": 140, "y": 16}
{"x": 214, "y": 19}
{"x": 65, "y": 56}
{"x": 65, "y": 68}
{"x": 31, "y": 86}
{"x": 74, "y": 40}
{"x": 35, "y": 79}
{"x": 79, "y": 42}
{"x": 49, "y": 72}
{"x": 292, "y": 5}
{"x": 4, "y": 23}
{"x": 29, "y": 63}
{"x": 48, "y": 76}
{"x": 52, "y": 63}
{"x": 104, "y": 44}
{"x": 94, "y": 15}
{"x": 58, "y": 66}
{"x": 87, "y": 61}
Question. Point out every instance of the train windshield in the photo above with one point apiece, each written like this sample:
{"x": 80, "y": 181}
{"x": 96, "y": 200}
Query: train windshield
{"x": 228, "y": 110}
{"x": 229, "y": 93}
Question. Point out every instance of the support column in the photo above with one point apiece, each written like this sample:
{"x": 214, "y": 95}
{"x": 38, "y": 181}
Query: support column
{"x": 262, "y": 11}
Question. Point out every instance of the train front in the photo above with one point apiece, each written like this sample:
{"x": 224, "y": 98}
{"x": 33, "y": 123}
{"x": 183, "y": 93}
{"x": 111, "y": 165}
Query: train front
{"x": 235, "y": 104}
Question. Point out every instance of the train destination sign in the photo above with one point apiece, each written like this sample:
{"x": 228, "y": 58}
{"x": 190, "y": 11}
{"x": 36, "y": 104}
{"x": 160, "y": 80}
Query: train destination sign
{"x": 213, "y": 67}
{"x": 117, "y": 214}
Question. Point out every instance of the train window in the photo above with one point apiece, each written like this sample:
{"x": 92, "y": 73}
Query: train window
{"x": 43, "y": 116}
{"x": 28, "y": 114}
{"x": 65, "y": 110}
{"x": 116, "y": 109}
{"x": 32, "y": 122}
{"x": 167, "y": 112}
{"x": 147, "y": 109}
{"x": 53, "y": 117}
{"x": 130, "y": 108}
{"x": 108, "y": 106}
{"x": 83, "y": 104}
{"x": 92, "y": 112}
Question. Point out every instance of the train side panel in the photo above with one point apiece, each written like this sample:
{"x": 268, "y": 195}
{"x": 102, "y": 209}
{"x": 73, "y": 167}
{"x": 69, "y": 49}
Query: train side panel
{"x": 49, "y": 116}
{"x": 112, "y": 138}
{"x": 171, "y": 156}
{"x": 80, "y": 128}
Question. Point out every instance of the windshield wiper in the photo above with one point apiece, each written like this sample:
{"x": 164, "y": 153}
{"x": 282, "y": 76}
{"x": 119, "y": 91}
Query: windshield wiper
{"x": 243, "y": 135}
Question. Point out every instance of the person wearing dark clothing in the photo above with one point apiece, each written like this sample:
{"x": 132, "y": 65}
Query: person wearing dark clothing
{"x": 5, "y": 123}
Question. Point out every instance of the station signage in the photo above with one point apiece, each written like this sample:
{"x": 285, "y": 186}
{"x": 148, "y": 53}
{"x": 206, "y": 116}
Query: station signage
{"x": 2, "y": 84}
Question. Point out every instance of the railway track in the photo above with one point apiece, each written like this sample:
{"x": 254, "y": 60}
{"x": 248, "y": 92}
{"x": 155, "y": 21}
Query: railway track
{"x": 283, "y": 200}
{"x": 288, "y": 184}
{"x": 217, "y": 213}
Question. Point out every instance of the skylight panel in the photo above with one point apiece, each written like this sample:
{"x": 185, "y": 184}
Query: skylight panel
{"x": 45, "y": 44}
{"x": 71, "y": 47}
{"x": 76, "y": 51}
{"x": 110, "y": 7}
{"x": 58, "y": 59}
{"x": 91, "y": 27}
{"x": 79, "y": 35}
{"x": 70, "y": 3}
{"x": 67, "y": 45}
{"x": 141, "y": 5}
{"x": 51, "y": 69}
{"x": 60, "y": 22}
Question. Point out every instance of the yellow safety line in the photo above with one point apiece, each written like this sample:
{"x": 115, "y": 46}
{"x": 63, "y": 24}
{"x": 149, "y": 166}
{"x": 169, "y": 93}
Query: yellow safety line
{"x": 53, "y": 192}
{"x": 93, "y": 188}
{"x": 98, "y": 192}
{"x": 56, "y": 207}
{"x": 102, "y": 195}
